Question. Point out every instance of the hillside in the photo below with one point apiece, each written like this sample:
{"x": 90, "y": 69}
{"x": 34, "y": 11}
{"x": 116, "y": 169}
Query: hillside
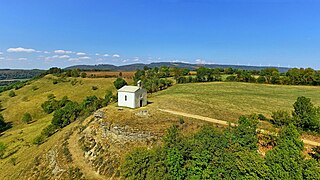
{"x": 95, "y": 147}
{"x": 133, "y": 67}
{"x": 29, "y": 99}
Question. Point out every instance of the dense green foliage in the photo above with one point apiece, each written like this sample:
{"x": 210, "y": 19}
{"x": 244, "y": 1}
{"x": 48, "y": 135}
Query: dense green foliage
{"x": 66, "y": 111}
{"x": 156, "y": 79}
{"x": 293, "y": 76}
{"x": 119, "y": 83}
{"x": 228, "y": 154}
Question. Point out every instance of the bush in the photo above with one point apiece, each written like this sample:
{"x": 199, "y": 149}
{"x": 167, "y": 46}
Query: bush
{"x": 39, "y": 139}
{"x": 94, "y": 88}
{"x": 12, "y": 94}
{"x": 280, "y": 118}
{"x": 119, "y": 83}
{"x": 2, "y": 149}
{"x": 3, "y": 125}
{"x": 261, "y": 79}
{"x": 27, "y": 118}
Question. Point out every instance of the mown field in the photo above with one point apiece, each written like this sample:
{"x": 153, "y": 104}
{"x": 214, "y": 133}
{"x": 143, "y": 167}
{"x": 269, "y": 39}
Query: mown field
{"x": 229, "y": 100}
{"x": 19, "y": 138}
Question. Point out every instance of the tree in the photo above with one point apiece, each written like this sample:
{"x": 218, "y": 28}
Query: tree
{"x": 27, "y": 118}
{"x": 3, "y": 124}
{"x": 83, "y": 75}
{"x": 119, "y": 83}
{"x": 306, "y": 115}
{"x": 12, "y": 94}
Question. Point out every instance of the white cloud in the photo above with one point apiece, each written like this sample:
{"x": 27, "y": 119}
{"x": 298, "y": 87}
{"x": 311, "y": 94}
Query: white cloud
{"x": 63, "y": 57}
{"x": 81, "y": 54}
{"x": 1, "y": 58}
{"x": 116, "y": 55}
{"x": 1, "y": 53}
{"x": 97, "y": 54}
{"x": 200, "y": 61}
{"x": 73, "y": 59}
{"x": 22, "y": 59}
{"x": 60, "y": 51}
{"x": 20, "y": 49}
{"x": 106, "y": 55}
{"x": 85, "y": 57}
{"x": 46, "y": 52}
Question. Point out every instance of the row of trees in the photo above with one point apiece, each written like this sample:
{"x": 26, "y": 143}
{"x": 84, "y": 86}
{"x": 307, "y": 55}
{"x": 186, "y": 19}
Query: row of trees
{"x": 66, "y": 111}
{"x": 228, "y": 154}
{"x": 155, "y": 79}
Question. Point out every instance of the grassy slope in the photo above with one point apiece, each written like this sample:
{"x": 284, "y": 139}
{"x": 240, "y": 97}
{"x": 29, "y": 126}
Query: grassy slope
{"x": 229, "y": 100}
{"x": 27, "y": 100}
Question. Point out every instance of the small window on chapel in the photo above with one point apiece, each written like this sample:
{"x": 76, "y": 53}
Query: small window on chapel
{"x": 125, "y": 97}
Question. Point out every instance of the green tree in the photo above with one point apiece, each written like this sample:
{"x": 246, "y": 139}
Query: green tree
{"x": 306, "y": 115}
{"x": 119, "y": 83}
{"x": 3, "y": 124}
{"x": 83, "y": 75}
{"x": 27, "y": 118}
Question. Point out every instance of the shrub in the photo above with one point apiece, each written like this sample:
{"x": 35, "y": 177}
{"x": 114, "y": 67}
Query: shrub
{"x": 2, "y": 149}
{"x": 280, "y": 118}
{"x": 54, "y": 81}
{"x": 39, "y": 139}
{"x": 27, "y": 118}
{"x": 261, "y": 79}
{"x": 12, "y": 93}
{"x": 83, "y": 75}
{"x": 94, "y": 88}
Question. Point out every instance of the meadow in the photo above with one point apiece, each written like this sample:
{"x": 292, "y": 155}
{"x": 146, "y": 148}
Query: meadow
{"x": 229, "y": 100}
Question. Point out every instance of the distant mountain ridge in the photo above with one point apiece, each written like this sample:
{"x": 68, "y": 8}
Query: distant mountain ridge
{"x": 133, "y": 67}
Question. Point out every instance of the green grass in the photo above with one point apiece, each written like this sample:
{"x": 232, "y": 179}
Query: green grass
{"x": 21, "y": 135}
{"x": 229, "y": 100}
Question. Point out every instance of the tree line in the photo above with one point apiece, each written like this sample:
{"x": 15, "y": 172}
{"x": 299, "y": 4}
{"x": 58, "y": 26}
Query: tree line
{"x": 294, "y": 76}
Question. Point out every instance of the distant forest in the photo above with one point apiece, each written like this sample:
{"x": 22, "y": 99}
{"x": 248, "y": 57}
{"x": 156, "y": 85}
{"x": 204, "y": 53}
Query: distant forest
{"x": 9, "y": 74}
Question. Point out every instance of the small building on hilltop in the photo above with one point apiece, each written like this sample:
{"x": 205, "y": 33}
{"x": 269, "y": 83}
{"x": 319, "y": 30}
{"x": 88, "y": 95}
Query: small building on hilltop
{"x": 132, "y": 96}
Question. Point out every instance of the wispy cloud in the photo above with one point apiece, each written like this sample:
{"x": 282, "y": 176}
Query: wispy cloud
{"x": 1, "y": 53}
{"x": 116, "y": 55}
{"x": 81, "y": 54}
{"x": 21, "y": 49}
{"x": 106, "y": 55}
{"x": 79, "y": 58}
{"x": 200, "y": 61}
{"x": 22, "y": 59}
{"x": 60, "y": 51}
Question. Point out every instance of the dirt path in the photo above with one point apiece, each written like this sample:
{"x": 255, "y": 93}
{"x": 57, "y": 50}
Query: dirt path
{"x": 216, "y": 121}
{"x": 79, "y": 160}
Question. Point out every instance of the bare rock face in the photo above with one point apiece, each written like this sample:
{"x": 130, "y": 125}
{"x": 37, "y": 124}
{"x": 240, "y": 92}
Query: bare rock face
{"x": 104, "y": 144}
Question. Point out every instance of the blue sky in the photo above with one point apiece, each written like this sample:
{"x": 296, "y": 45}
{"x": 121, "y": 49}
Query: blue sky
{"x": 46, "y": 33}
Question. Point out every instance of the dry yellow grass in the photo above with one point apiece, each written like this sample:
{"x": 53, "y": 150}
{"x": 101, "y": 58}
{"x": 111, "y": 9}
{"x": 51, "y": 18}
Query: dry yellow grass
{"x": 19, "y": 138}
